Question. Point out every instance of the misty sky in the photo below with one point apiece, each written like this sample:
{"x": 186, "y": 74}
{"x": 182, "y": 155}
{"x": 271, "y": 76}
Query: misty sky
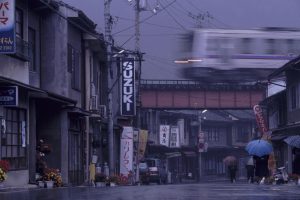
{"x": 160, "y": 33}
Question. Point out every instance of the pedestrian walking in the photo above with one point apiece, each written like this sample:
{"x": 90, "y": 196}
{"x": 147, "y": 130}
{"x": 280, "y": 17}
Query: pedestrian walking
{"x": 232, "y": 172}
{"x": 261, "y": 166}
{"x": 250, "y": 170}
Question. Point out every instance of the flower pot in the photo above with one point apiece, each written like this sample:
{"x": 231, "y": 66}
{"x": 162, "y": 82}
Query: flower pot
{"x": 112, "y": 184}
{"x": 50, "y": 184}
{"x": 100, "y": 184}
{"x": 41, "y": 184}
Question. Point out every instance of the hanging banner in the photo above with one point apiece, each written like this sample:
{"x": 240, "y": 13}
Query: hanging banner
{"x": 143, "y": 137}
{"x": 7, "y": 26}
{"x": 127, "y": 132}
{"x": 261, "y": 123}
{"x": 164, "y": 133}
{"x": 128, "y": 100}
{"x": 174, "y": 136}
{"x": 126, "y": 154}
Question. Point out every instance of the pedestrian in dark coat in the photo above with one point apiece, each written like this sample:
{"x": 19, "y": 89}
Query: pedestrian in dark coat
{"x": 250, "y": 169}
{"x": 232, "y": 172}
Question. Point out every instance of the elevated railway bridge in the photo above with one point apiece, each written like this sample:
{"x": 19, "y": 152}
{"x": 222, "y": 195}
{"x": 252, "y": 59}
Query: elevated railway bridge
{"x": 190, "y": 94}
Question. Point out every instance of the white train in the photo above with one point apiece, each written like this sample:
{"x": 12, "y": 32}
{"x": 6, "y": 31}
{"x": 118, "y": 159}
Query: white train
{"x": 258, "y": 51}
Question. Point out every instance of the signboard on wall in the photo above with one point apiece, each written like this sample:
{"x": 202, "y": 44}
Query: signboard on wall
{"x": 9, "y": 95}
{"x": 174, "y": 136}
{"x": 7, "y": 26}
{"x": 128, "y": 100}
{"x": 164, "y": 133}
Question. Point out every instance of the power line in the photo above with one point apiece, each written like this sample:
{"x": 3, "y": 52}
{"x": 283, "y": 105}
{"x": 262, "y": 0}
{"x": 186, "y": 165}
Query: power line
{"x": 174, "y": 18}
{"x": 152, "y": 34}
{"x": 158, "y": 25}
{"x": 147, "y": 18}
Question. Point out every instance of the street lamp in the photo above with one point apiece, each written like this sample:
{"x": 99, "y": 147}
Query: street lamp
{"x": 201, "y": 142}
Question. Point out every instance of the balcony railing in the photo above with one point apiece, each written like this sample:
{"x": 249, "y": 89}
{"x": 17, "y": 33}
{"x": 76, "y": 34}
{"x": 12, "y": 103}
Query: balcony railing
{"x": 22, "y": 50}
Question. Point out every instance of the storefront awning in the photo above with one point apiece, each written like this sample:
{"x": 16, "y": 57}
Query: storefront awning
{"x": 173, "y": 154}
{"x": 36, "y": 92}
{"x": 286, "y": 131}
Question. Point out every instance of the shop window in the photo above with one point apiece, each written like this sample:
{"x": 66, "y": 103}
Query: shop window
{"x": 242, "y": 134}
{"x": 14, "y": 139}
{"x": 212, "y": 134}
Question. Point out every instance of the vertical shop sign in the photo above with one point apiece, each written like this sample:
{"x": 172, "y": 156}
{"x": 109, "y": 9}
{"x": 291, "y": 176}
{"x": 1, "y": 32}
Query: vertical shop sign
{"x": 164, "y": 134}
{"x": 7, "y": 26}
{"x": 261, "y": 123}
{"x": 174, "y": 136}
{"x": 128, "y": 103}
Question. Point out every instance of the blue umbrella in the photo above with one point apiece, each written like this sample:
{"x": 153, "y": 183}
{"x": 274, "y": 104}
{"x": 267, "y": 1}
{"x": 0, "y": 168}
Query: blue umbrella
{"x": 293, "y": 141}
{"x": 259, "y": 148}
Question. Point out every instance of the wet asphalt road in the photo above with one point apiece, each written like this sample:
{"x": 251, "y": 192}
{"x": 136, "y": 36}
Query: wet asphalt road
{"x": 212, "y": 191}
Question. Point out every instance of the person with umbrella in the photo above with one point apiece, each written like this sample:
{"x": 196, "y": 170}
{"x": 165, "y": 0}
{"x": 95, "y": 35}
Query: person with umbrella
{"x": 231, "y": 162}
{"x": 260, "y": 149}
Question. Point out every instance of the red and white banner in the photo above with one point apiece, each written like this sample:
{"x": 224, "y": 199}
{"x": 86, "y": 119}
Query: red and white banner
{"x": 261, "y": 123}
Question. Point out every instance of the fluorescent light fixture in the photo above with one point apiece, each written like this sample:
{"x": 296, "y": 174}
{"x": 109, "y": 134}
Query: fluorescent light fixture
{"x": 121, "y": 51}
{"x": 204, "y": 111}
{"x": 195, "y": 60}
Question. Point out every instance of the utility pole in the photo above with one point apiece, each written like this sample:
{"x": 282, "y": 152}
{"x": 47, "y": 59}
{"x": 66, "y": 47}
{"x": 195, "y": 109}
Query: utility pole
{"x": 138, "y": 71}
{"x": 108, "y": 38}
{"x": 138, "y": 61}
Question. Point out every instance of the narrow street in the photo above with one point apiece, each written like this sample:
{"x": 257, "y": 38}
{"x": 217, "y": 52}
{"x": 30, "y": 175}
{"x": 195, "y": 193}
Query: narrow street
{"x": 210, "y": 191}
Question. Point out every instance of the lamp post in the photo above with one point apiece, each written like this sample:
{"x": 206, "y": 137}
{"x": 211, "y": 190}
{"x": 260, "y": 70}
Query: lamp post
{"x": 201, "y": 143}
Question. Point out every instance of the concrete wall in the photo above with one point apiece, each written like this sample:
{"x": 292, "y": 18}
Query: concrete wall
{"x": 16, "y": 178}
{"x": 54, "y": 55}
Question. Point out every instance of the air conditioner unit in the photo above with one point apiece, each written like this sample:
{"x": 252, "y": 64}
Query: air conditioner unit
{"x": 102, "y": 110}
{"x": 94, "y": 103}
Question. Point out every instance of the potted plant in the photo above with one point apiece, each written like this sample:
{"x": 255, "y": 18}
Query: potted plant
{"x": 100, "y": 180}
{"x": 294, "y": 178}
{"x": 113, "y": 180}
{"x": 4, "y": 167}
{"x": 52, "y": 178}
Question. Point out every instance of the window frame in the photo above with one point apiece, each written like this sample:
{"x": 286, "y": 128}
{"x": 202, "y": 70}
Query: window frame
{"x": 19, "y": 22}
{"x": 294, "y": 97}
{"x": 74, "y": 64}
{"x": 13, "y": 117}
{"x": 32, "y": 42}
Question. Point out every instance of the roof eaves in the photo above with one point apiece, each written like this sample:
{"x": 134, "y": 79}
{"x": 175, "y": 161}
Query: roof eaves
{"x": 285, "y": 67}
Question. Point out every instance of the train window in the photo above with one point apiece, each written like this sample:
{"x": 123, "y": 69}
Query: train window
{"x": 290, "y": 43}
{"x": 270, "y": 45}
{"x": 212, "y": 45}
{"x": 246, "y": 45}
